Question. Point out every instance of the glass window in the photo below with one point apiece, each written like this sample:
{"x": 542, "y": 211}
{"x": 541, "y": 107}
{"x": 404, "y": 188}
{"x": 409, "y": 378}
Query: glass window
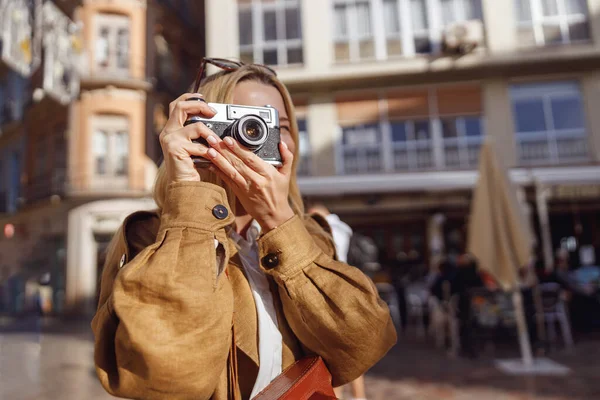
{"x": 543, "y": 22}
{"x": 103, "y": 47}
{"x": 363, "y": 20}
{"x": 473, "y": 126}
{"x": 293, "y": 28}
{"x": 362, "y": 135}
{"x": 340, "y": 25}
{"x": 419, "y": 14}
{"x": 449, "y": 129}
{"x": 361, "y": 149}
{"x": 112, "y": 43}
{"x": 529, "y": 115}
{"x": 390, "y": 16}
{"x": 245, "y": 32}
{"x": 523, "y": 10}
{"x": 270, "y": 25}
{"x": 279, "y": 39}
{"x": 122, "y": 153}
{"x": 567, "y": 113}
{"x": 110, "y": 146}
{"x": 549, "y": 121}
{"x": 100, "y": 151}
{"x": 422, "y": 130}
{"x": 123, "y": 48}
{"x": 399, "y": 132}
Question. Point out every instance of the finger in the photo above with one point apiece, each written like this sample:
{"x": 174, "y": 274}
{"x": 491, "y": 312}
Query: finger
{"x": 183, "y": 97}
{"x": 287, "y": 157}
{"x": 184, "y": 109}
{"x": 195, "y": 149}
{"x": 197, "y": 131}
{"x": 249, "y": 164}
{"x": 181, "y": 149}
{"x": 227, "y": 169}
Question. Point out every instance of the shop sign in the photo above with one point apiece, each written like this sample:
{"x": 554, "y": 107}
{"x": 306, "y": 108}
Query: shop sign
{"x": 566, "y": 192}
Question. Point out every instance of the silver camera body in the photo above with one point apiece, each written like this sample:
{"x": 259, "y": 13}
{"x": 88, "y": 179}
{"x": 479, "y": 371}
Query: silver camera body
{"x": 255, "y": 128}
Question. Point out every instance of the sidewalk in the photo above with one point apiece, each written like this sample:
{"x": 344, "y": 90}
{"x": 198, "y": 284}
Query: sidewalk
{"x": 416, "y": 370}
{"x": 53, "y": 359}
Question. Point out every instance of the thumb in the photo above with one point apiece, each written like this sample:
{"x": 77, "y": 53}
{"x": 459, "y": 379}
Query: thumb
{"x": 287, "y": 157}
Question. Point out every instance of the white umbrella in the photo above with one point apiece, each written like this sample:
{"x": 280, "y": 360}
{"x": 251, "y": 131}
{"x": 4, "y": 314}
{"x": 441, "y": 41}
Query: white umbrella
{"x": 499, "y": 233}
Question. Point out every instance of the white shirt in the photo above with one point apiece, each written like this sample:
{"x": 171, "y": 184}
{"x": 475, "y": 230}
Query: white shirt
{"x": 269, "y": 336}
{"x": 341, "y": 232}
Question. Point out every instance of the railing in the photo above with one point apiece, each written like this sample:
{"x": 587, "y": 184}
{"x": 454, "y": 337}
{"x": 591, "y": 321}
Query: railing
{"x": 417, "y": 155}
{"x": 542, "y": 148}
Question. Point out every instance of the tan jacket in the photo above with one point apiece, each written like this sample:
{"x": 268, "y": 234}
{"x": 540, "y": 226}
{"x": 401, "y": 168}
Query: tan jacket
{"x": 165, "y": 319}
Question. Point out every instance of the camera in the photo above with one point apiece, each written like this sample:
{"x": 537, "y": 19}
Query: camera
{"x": 255, "y": 128}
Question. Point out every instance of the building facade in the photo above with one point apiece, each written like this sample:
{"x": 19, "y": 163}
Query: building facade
{"x": 393, "y": 113}
{"x": 393, "y": 97}
{"x": 79, "y": 148}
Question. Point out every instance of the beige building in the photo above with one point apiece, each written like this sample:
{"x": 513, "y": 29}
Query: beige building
{"x": 83, "y": 152}
{"x": 394, "y": 108}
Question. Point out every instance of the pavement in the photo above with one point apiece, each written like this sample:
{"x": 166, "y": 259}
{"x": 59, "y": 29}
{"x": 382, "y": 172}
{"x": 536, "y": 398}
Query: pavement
{"x": 53, "y": 359}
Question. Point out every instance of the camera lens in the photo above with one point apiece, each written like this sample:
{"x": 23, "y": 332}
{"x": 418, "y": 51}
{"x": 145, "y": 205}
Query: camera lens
{"x": 251, "y": 131}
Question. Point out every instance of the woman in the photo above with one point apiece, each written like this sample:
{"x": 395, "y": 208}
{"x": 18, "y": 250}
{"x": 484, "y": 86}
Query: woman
{"x": 227, "y": 283}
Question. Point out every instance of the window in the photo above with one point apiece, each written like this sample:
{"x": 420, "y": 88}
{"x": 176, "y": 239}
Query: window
{"x": 409, "y": 26}
{"x": 361, "y": 148}
{"x": 112, "y": 43}
{"x": 100, "y": 151}
{"x": 422, "y": 129}
{"x": 542, "y": 22}
{"x": 412, "y": 145}
{"x": 549, "y": 123}
{"x": 462, "y": 140}
{"x": 270, "y": 32}
{"x": 110, "y": 146}
{"x": 303, "y": 148}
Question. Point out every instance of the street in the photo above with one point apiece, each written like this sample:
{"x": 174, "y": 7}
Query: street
{"x": 58, "y": 364}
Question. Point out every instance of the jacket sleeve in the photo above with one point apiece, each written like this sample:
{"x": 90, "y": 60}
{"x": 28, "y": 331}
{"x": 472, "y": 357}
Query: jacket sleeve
{"x": 333, "y": 308}
{"x": 163, "y": 325}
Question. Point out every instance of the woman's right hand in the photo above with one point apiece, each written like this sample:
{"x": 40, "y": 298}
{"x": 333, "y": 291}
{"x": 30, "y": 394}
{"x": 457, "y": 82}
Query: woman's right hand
{"x": 176, "y": 139}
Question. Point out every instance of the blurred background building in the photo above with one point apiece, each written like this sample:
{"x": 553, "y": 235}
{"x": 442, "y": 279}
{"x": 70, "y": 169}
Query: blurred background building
{"x": 84, "y": 86}
{"x": 394, "y": 98}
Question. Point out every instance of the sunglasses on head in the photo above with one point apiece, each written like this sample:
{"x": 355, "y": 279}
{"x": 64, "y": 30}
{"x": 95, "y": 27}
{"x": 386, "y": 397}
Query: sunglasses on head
{"x": 224, "y": 64}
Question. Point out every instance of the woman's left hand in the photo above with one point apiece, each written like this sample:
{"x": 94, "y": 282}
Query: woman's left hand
{"x": 260, "y": 187}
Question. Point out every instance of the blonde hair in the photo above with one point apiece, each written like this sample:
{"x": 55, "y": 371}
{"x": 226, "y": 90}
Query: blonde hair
{"x": 219, "y": 88}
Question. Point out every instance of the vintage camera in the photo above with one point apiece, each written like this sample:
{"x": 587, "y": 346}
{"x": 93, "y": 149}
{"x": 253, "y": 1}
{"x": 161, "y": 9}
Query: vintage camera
{"x": 256, "y": 128}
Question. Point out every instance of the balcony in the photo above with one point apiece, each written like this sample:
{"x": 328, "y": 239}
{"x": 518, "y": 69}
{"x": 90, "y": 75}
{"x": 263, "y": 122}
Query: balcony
{"x": 417, "y": 155}
{"x": 560, "y": 148}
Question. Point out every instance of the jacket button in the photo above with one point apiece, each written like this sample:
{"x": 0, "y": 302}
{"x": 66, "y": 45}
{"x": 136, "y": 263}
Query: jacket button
{"x": 270, "y": 261}
{"x": 220, "y": 211}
